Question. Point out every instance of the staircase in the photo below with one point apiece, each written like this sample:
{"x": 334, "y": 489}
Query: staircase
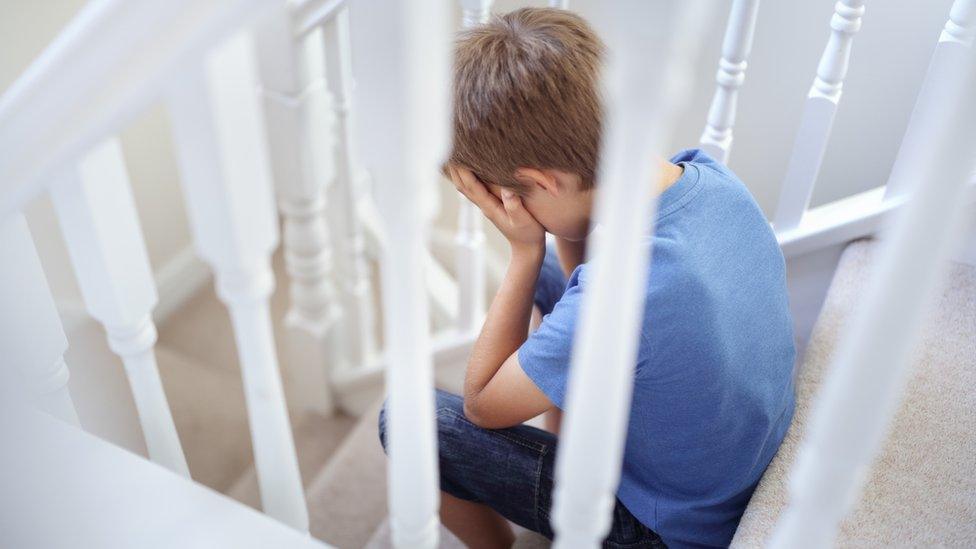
{"x": 921, "y": 488}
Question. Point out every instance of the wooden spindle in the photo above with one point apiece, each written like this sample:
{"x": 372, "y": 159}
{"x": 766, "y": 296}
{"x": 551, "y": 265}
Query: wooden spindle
{"x": 717, "y": 137}
{"x": 818, "y": 116}
{"x": 358, "y": 340}
{"x": 415, "y": 143}
{"x": 219, "y": 136}
{"x": 470, "y": 237}
{"x": 640, "y": 103}
{"x": 850, "y": 417}
{"x": 300, "y": 120}
{"x": 101, "y": 229}
{"x": 955, "y": 41}
{"x": 31, "y": 337}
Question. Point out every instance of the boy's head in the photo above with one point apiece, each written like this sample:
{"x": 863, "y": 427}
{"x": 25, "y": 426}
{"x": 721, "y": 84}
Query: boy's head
{"x": 527, "y": 111}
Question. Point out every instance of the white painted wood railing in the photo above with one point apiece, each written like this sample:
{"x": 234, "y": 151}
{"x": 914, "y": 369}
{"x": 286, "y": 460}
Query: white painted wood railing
{"x": 417, "y": 95}
{"x": 470, "y": 237}
{"x": 818, "y": 116}
{"x": 117, "y": 57}
{"x": 861, "y": 394}
{"x": 101, "y": 230}
{"x": 954, "y": 43}
{"x": 358, "y": 338}
{"x": 219, "y": 136}
{"x": 716, "y": 140}
{"x": 31, "y": 336}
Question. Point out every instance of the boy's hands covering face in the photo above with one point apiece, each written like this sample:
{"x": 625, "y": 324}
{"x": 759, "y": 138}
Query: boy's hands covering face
{"x": 505, "y": 210}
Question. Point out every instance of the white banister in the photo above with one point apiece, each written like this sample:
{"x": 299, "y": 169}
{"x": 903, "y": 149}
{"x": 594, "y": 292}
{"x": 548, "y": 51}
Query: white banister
{"x": 32, "y": 341}
{"x": 470, "y": 237}
{"x": 101, "y": 229}
{"x": 358, "y": 340}
{"x": 818, "y": 116}
{"x": 561, "y": 4}
{"x": 851, "y": 414}
{"x": 642, "y": 95}
{"x": 717, "y": 137}
{"x": 114, "y": 57}
{"x": 954, "y": 42}
{"x": 219, "y": 136}
{"x": 300, "y": 122}
{"x": 416, "y": 143}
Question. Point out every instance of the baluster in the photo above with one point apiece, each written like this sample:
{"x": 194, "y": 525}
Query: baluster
{"x": 605, "y": 347}
{"x": 717, "y": 137}
{"x": 358, "y": 339}
{"x": 31, "y": 337}
{"x": 955, "y": 41}
{"x": 470, "y": 238}
{"x": 219, "y": 137}
{"x": 417, "y": 142}
{"x": 818, "y": 116}
{"x": 300, "y": 123}
{"x": 861, "y": 394}
{"x": 101, "y": 230}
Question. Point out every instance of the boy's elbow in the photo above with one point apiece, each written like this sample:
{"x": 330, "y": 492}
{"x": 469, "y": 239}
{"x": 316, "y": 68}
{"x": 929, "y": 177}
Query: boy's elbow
{"x": 474, "y": 411}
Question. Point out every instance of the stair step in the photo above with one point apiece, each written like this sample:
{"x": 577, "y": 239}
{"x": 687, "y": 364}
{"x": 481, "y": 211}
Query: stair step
{"x": 317, "y": 437}
{"x": 920, "y": 489}
{"x": 347, "y": 499}
{"x": 208, "y": 409}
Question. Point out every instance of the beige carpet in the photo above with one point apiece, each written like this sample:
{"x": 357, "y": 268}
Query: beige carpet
{"x": 922, "y": 489}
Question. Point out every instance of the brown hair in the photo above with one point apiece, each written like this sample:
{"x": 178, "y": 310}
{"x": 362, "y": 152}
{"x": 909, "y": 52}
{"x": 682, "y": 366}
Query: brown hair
{"x": 526, "y": 94}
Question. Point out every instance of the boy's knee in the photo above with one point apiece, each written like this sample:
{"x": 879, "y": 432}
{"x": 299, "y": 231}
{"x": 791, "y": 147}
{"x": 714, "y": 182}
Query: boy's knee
{"x": 381, "y": 427}
{"x": 447, "y": 408}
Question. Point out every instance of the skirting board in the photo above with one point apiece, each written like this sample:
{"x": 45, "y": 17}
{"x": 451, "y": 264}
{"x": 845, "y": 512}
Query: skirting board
{"x": 179, "y": 280}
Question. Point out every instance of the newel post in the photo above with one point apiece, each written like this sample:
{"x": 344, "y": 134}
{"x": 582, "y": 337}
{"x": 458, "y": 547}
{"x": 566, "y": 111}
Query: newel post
{"x": 101, "y": 229}
{"x": 32, "y": 340}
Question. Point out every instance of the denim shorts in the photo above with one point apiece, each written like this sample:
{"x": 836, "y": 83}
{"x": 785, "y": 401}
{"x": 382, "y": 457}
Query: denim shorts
{"x": 511, "y": 470}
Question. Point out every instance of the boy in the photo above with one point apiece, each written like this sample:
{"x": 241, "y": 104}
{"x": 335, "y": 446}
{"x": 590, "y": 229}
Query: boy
{"x": 713, "y": 389}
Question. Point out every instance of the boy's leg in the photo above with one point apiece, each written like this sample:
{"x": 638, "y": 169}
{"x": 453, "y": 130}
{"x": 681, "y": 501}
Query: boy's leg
{"x": 509, "y": 471}
{"x": 486, "y": 475}
{"x": 476, "y": 525}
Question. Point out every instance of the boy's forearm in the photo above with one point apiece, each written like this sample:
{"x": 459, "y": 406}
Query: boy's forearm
{"x": 571, "y": 254}
{"x": 507, "y": 321}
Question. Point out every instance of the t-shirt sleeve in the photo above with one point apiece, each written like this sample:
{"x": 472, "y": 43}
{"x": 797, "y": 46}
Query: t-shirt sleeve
{"x": 545, "y": 355}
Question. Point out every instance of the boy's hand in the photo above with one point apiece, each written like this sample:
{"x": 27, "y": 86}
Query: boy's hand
{"x": 524, "y": 232}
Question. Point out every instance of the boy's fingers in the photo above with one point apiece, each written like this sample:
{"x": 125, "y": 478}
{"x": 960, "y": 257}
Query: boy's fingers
{"x": 513, "y": 205}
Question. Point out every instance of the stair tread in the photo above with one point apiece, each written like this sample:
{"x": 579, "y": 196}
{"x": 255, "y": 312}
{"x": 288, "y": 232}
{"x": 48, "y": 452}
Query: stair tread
{"x": 347, "y": 499}
{"x": 317, "y": 437}
{"x": 919, "y": 491}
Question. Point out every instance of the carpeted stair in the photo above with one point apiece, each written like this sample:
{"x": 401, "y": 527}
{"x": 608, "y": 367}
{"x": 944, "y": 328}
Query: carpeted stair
{"x": 921, "y": 490}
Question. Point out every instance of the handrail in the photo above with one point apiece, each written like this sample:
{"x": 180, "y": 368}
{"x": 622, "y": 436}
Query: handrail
{"x": 309, "y": 14}
{"x": 114, "y": 58}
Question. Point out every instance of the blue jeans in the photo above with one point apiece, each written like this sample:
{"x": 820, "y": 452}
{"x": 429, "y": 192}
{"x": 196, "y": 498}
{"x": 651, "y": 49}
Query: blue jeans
{"x": 511, "y": 471}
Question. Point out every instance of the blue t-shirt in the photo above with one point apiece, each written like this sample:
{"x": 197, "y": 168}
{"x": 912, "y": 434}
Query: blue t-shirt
{"x": 713, "y": 383}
